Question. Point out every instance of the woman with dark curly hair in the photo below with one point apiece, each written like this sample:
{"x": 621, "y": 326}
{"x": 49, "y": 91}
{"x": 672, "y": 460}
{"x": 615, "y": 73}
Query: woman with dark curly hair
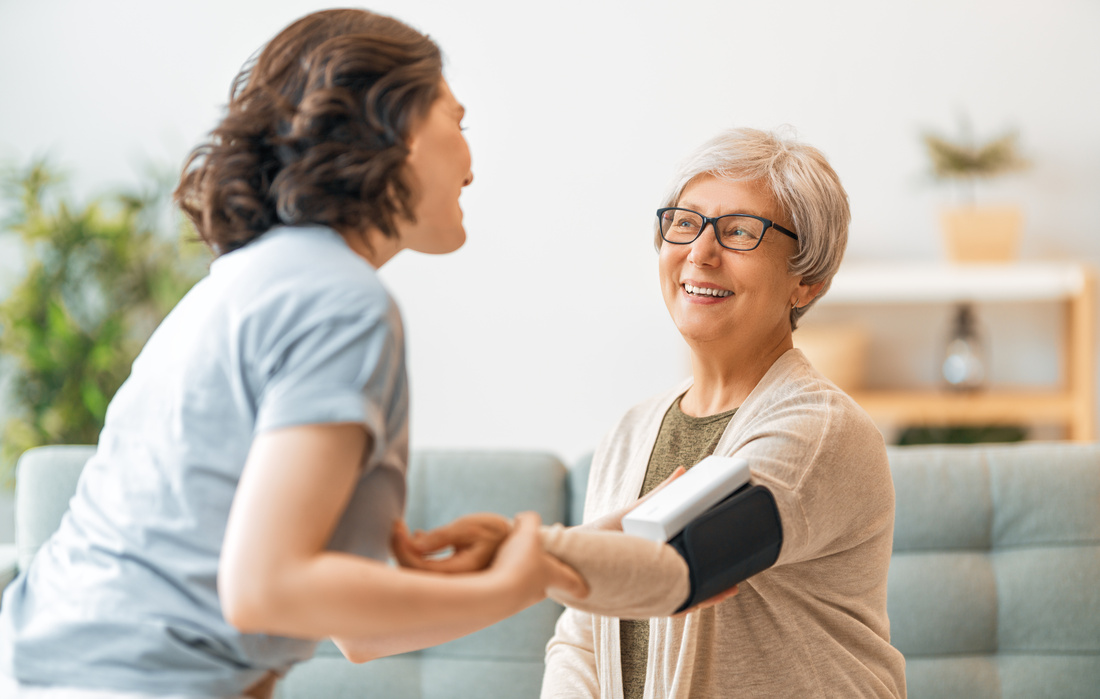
{"x": 240, "y": 502}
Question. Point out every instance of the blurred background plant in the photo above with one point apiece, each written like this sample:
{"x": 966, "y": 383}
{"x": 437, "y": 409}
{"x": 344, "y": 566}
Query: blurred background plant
{"x": 966, "y": 161}
{"x": 99, "y": 278}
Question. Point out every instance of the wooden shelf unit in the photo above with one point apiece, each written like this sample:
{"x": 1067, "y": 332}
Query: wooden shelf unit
{"x": 1072, "y": 403}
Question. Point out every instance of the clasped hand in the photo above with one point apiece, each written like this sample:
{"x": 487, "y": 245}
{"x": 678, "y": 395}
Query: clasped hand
{"x": 487, "y": 541}
{"x": 465, "y": 545}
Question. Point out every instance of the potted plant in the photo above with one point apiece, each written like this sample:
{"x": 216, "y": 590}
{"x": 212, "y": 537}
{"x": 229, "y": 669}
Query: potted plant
{"x": 99, "y": 278}
{"x": 972, "y": 232}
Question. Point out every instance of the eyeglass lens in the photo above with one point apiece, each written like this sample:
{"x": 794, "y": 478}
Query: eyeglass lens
{"x": 734, "y": 232}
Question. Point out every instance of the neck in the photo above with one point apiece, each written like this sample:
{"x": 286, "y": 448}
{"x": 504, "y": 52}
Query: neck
{"x": 725, "y": 374}
{"x": 371, "y": 245}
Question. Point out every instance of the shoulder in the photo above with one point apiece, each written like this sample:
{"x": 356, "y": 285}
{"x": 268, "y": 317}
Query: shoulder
{"x": 306, "y": 273}
{"x": 807, "y": 426}
{"x": 301, "y": 292}
{"x": 794, "y": 393}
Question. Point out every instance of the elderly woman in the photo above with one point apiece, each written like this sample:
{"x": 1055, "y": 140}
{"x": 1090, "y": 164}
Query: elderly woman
{"x": 749, "y": 238}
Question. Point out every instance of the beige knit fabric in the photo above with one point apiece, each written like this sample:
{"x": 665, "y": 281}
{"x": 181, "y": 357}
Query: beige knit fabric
{"x": 627, "y": 576}
{"x": 813, "y": 625}
{"x": 683, "y": 440}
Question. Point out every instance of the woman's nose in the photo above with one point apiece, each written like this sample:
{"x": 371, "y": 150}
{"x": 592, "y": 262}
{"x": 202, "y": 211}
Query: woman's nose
{"x": 705, "y": 249}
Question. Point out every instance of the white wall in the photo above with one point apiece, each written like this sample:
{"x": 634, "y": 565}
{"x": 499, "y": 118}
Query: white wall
{"x": 546, "y": 326}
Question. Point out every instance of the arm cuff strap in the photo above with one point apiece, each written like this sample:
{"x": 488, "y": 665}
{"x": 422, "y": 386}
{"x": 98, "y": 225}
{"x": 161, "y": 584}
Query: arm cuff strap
{"x": 730, "y": 542}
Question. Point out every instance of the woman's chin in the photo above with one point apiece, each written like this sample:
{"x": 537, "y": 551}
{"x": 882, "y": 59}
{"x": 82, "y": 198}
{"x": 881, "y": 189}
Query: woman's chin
{"x": 456, "y": 242}
{"x": 442, "y": 244}
{"x": 698, "y": 337}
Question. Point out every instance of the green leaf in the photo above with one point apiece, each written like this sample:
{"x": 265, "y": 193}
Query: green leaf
{"x": 100, "y": 276}
{"x": 94, "y": 400}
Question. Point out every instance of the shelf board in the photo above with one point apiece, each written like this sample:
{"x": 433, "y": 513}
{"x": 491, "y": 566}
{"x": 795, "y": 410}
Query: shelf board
{"x": 985, "y": 407}
{"x": 882, "y": 283}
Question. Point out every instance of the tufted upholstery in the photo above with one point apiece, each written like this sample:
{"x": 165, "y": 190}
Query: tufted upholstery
{"x": 994, "y": 587}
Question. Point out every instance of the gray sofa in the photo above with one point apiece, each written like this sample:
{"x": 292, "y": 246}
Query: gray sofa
{"x": 993, "y": 587}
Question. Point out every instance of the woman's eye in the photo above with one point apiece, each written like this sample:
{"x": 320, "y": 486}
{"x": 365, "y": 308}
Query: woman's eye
{"x": 740, "y": 232}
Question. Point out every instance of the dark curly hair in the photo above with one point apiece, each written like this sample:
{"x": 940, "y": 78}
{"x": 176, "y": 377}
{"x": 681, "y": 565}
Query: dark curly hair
{"x": 315, "y": 131}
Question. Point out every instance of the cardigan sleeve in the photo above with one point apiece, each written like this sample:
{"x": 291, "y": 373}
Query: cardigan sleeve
{"x": 571, "y": 659}
{"x": 825, "y": 463}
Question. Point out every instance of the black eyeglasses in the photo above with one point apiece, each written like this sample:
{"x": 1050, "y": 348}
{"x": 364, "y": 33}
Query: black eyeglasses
{"x": 734, "y": 231}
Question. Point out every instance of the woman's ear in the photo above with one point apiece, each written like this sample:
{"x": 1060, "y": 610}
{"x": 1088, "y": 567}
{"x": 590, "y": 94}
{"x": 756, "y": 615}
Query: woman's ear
{"x": 805, "y": 293}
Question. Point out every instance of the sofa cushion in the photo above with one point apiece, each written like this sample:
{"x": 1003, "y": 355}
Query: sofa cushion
{"x": 45, "y": 481}
{"x": 992, "y": 588}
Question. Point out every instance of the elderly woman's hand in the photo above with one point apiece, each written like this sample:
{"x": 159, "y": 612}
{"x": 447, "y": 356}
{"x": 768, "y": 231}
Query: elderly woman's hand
{"x": 707, "y": 603}
{"x": 613, "y": 521}
{"x": 465, "y": 545}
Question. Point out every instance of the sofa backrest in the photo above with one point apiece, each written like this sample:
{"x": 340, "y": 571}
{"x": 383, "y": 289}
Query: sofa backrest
{"x": 994, "y": 587}
{"x": 45, "y": 481}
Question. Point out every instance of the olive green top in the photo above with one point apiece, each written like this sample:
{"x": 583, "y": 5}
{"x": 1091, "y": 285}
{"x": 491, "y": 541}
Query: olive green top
{"x": 682, "y": 441}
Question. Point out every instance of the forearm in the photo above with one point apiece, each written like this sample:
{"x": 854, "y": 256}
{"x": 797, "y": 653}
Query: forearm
{"x": 360, "y": 649}
{"x": 627, "y": 576}
{"x": 276, "y": 575}
{"x": 343, "y": 596}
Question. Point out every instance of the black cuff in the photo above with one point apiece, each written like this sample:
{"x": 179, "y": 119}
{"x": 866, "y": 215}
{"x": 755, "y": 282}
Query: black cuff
{"x": 730, "y": 542}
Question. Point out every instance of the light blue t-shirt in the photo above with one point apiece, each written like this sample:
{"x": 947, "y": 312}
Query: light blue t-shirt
{"x": 292, "y": 329}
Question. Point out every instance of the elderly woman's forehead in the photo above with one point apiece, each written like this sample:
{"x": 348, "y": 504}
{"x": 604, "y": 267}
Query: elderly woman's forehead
{"x": 725, "y": 192}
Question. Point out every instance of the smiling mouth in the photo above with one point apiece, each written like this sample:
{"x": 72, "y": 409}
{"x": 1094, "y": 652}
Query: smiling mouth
{"x": 700, "y": 291}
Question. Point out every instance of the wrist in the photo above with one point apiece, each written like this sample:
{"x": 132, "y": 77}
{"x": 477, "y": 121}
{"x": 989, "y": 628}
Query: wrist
{"x": 506, "y": 591}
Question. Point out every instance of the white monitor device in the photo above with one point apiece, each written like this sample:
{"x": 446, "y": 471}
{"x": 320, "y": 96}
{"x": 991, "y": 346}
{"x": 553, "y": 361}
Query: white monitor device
{"x": 706, "y": 484}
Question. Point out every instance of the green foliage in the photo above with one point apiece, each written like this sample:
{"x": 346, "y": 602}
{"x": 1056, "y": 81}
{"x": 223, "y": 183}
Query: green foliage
{"x": 99, "y": 278}
{"x": 980, "y": 434}
{"x": 964, "y": 159}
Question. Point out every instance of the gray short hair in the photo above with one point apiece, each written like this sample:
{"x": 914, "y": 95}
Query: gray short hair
{"x": 803, "y": 183}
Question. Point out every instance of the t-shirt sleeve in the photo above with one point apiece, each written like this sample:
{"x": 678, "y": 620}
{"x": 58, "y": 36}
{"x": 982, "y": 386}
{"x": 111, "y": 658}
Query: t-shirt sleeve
{"x": 342, "y": 368}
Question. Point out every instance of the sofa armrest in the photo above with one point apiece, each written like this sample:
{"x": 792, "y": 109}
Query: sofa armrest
{"x": 9, "y": 567}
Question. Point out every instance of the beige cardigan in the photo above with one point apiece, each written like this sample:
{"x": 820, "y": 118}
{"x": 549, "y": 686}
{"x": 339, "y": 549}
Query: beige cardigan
{"x": 813, "y": 625}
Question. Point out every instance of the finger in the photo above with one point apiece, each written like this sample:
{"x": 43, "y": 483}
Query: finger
{"x": 525, "y": 532}
{"x": 435, "y": 565}
{"x": 413, "y": 558}
{"x": 680, "y": 470}
{"x": 462, "y": 532}
{"x": 403, "y": 549}
{"x": 526, "y": 524}
{"x": 465, "y": 561}
{"x": 439, "y": 538}
{"x": 614, "y": 521}
{"x": 711, "y": 601}
{"x": 717, "y": 599}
